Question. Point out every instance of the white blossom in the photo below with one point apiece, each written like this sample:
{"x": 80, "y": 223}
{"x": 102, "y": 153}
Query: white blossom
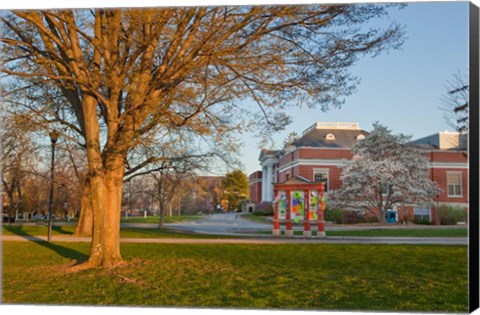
{"x": 386, "y": 170}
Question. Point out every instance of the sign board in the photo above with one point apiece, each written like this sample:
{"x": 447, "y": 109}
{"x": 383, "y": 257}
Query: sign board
{"x": 282, "y": 205}
{"x": 313, "y": 202}
{"x": 297, "y": 206}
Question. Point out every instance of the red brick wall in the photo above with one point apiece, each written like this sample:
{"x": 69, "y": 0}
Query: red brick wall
{"x": 255, "y": 191}
{"x": 439, "y": 175}
{"x": 255, "y": 186}
{"x": 309, "y": 153}
{"x": 447, "y": 156}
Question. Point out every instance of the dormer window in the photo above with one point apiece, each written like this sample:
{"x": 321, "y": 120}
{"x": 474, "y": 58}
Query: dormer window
{"x": 360, "y": 137}
{"x": 330, "y": 136}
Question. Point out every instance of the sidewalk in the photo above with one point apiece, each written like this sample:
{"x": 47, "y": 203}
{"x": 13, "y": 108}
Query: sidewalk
{"x": 261, "y": 240}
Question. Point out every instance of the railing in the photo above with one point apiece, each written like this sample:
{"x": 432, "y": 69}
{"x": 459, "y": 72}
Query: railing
{"x": 332, "y": 125}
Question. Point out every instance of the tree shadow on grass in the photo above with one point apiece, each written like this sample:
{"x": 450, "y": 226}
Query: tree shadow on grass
{"x": 60, "y": 230}
{"x": 60, "y": 250}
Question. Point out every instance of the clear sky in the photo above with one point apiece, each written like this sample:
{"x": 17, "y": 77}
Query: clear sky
{"x": 402, "y": 88}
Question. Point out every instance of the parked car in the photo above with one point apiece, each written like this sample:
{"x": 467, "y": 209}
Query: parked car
{"x": 39, "y": 216}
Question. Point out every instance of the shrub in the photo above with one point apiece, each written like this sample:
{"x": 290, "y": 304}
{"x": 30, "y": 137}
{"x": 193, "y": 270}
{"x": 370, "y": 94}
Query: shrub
{"x": 420, "y": 220}
{"x": 264, "y": 208}
{"x": 352, "y": 217}
{"x": 450, "y": 215}
{"x": 370, "y": 219}
{"x": 334, "y": 215}
{"x": 347, "y": 217}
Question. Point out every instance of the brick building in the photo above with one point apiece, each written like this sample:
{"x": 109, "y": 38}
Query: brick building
{"x": 323, "y": 148}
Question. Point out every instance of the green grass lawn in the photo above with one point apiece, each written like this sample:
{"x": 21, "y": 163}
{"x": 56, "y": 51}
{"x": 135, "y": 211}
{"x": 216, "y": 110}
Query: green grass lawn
{"x": 156, "y": 219}
{"x": 42, "y": 230}
{"x": 37, "y": 230}
{"x": 430, "y": 232}
{"x": 294, "y": 276}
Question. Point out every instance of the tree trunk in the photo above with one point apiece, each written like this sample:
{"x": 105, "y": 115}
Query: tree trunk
{"x": 106, "y": 182}
{"x": 106, "y": 202}
{"x": 162, "y": 214}
{"x": 85, "y": 221}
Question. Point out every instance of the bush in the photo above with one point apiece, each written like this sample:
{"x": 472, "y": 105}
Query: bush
{"x": 370, "y": 219}
{"x": 352, "y": 217}
{"x": 264, "y": 208}
{"x": 333, "y": 215}
{"x": 347, "y": 217}
{"x": 420, "y": 220}
{"x": 450, "y": 215}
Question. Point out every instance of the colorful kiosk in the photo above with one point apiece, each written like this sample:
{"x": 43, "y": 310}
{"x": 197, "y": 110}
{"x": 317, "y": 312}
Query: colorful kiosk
{"x": 299, "y": 200}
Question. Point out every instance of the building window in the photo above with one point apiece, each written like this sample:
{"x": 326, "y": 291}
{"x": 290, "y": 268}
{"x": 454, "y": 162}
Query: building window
{"x": 330, "y": 137}
{"x": 421, "y": 214}
{"x": 360, "y": 137}
{"x": 321, "y": 176}
{"x": 454, "y": 183}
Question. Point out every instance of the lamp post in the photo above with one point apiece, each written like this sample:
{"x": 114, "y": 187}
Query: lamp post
{"x": 53, "y": 139}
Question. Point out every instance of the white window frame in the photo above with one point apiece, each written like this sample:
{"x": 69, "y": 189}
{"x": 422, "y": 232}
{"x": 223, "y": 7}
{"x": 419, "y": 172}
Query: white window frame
{"x": 422, "y": 209}
{"x": 460, "y": 185}
{"x": 322, "y": 171}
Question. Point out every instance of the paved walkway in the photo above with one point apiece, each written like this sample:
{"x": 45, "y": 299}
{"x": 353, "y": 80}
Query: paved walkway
{"x": 249, "y": 232}
{"x": 261, "y": 240}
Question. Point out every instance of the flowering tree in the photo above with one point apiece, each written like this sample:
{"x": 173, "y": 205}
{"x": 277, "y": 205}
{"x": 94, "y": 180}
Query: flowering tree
{"x": 386, "y": 170}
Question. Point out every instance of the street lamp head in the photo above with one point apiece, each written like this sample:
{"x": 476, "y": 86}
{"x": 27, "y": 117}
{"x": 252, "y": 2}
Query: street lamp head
{"x": 54, "y": 136}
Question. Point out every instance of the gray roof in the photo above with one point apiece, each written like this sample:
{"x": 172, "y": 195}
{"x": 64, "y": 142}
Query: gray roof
{"x": 344, "y": 138}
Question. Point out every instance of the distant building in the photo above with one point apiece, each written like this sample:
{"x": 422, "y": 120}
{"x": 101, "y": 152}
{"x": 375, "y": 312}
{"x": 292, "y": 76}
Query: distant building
{"x": 256, "y": 181}
{"x": 446, "y": 140}
{"x": 320, "y": 152}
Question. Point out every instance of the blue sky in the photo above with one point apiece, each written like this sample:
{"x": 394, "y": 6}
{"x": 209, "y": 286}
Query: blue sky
{"x": 402, "y": 88}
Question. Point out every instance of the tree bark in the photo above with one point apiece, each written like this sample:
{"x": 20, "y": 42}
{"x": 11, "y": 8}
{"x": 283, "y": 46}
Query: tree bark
{"x": 161, "y": 207}
{"x": 106, "y": 202}
{"x": 85, "y": 221}
{"x": 106, "y": 183}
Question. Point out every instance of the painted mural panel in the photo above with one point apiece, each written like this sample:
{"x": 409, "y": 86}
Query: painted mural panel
{"x": 312, "y": 213}
{"x": 282, "y": 205}
{"x": 298, "y": 206}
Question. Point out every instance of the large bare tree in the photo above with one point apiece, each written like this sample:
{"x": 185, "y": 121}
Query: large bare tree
{"x": 125, "y": 72}
{"x": 455, "y": 102}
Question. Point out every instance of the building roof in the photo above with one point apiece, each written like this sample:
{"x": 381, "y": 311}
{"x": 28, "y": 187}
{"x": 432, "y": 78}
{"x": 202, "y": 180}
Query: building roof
{"x": 445, "y": 141}
{"x": 265, "y": 153}
{"x": 330, "y": 138}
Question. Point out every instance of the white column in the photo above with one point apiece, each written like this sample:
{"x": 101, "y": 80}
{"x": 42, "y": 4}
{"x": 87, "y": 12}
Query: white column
{"x": 264, "y": 183}
{"x": 269, "y": 183}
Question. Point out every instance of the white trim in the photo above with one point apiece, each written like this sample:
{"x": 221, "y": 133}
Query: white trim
{"x": 268, "y": 160}
{"x": 343, "y": 162}
{"x": 256, "y": 180}
{"x": 313, "y": 162}
{"x": 457, "y": 165}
